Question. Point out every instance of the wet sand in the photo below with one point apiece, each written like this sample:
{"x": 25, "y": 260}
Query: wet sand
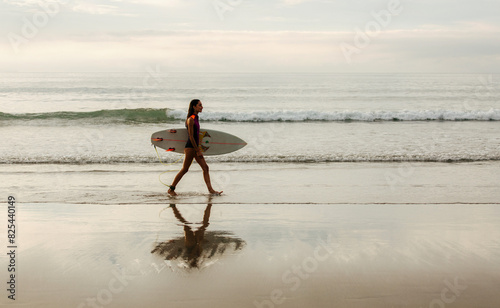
{"x": 250, "y": 255}
{"x": 112, "y": 238}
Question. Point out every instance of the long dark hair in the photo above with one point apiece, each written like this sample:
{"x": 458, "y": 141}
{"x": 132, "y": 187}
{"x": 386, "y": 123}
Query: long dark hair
{"x": 193, "y": 103}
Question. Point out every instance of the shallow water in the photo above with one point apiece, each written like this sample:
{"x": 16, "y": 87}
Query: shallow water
{"x": 259, "y": 183}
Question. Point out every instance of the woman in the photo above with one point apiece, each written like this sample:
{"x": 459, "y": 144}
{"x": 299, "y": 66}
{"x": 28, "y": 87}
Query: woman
{"x": 192, "y": 149}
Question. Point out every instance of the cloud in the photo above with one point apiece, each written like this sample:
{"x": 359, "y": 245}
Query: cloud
{"x": 160, "y": 3}
{"x": 100, "y": 7}
{"x": 96, "y": 9}
{"x": 93, "y": 35}
{"x": 294, "y": 2}
{"x": 22, "y": 3}
{"x": 424, "y": 50}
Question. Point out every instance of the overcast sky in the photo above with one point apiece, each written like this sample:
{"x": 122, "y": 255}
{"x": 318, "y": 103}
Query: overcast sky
{"x": 251, "y": 35}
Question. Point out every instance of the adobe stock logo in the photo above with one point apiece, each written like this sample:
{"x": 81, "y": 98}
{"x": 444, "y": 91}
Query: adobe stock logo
{"x": 450, "y": 293}
{"x": 372, "y": 29}
{"x": 293, "y": 277}
{"x": 222, "y": 7}
{"x": 30, "y": 28}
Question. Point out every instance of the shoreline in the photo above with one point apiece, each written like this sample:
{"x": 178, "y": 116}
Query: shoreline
{"x": 326, "y": 183}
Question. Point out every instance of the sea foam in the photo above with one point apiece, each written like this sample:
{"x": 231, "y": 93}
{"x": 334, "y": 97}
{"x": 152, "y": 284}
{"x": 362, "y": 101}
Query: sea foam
{"x": 148, "y": 115}
{"x": 342, "y": 116}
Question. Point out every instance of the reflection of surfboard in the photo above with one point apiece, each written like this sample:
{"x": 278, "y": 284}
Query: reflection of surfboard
{"x": 212, "y": 142}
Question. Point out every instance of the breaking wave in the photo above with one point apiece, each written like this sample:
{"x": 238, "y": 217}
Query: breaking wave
{"x": 345, "y": 116}
{"x": 148, "y": 115}
{"x": 141, "y": 115}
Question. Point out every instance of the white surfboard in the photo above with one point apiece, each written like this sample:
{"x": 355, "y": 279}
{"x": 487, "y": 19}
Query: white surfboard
{"x": 212, "y": 142}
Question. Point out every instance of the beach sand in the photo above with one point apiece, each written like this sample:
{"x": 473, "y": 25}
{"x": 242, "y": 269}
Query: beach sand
{"x": 282, "y": 235}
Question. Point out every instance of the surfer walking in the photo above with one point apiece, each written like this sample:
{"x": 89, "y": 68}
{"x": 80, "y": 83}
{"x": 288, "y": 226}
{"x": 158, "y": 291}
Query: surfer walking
{"x": 192, "y": 149}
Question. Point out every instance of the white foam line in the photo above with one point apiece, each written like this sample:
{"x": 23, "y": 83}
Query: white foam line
{"x": 173, "y": 201}
{"x": 347, "y": 115}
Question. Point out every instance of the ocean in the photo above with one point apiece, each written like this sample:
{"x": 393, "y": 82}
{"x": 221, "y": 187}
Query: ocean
{"x": 108, "y": 118}
{"x": 355, "y": 190}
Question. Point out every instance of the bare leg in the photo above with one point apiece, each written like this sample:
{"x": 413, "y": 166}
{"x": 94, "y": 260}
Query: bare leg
{"x": 188, "y": 159}
{"x": 206, "y": 175}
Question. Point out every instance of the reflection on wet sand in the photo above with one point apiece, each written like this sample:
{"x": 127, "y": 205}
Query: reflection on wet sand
{"x": 198, "y": 248}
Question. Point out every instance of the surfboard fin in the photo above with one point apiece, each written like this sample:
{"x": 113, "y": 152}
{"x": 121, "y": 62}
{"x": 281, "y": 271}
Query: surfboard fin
{"x": 204, "y": 134}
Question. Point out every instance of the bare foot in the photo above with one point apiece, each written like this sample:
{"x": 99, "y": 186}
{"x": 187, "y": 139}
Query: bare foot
{"x": 216, "y": 193}
{"x": 172, "y": 193}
